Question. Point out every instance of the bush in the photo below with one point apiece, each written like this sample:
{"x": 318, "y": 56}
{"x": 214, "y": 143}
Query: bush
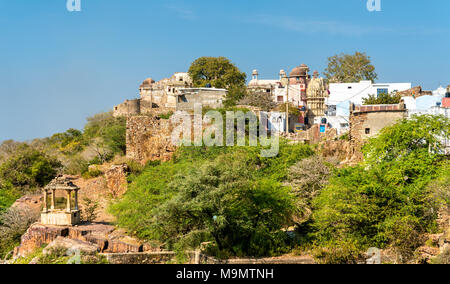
{"x": 404, "y": 235}
{"x": 13, "y": 224}
{"x": 89, "y": 212}
{"x": 386, "y": 201}
{"x": 221, "y": 194}
{"x": 107, "y": 134}
{"x": 439, "y": 188}
{"x": 76, "y": 165}
{"x": 29, "y": 168}
{"x": 337, "y": 252}
{"x": 307, "y": 178}
{"x": 8, "y": 195}
{"x": 443, "y": 258}
{"x": 264, "y": 101}
{"x": 68, "y": 143}
{"x": 382, "y": 99}
{"x": 220, "y": 201}
{"x": 92, "y": 174}
{"x": 166, "y": 115}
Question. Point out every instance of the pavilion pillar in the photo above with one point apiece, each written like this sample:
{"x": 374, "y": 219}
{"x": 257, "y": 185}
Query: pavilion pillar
{"x": 69, "y": 205}
{"x": 45, "y": 201}
{"x": 76, "y": 200}
{"x": 53, "y": 199}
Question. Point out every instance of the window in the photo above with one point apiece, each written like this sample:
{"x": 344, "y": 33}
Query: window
{"x": 182, "y": 99}
{"x": 331, "y": 111}
{"x": 349, "y": 87}
{"x": 280, "y": 99}
{"x": 268, "y": 90}
{"x": 382, "y": 91}
{"x": 367, "y": 131}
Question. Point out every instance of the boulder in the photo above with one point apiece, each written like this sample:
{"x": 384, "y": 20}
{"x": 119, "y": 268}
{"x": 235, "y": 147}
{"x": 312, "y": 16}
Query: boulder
{"x": 119, "y": 242}
{"x": 71, "y": 247}
{"x": 38, "y": 235}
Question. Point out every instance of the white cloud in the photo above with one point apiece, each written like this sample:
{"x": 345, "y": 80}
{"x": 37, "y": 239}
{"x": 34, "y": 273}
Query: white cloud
{"x": 335, "y": 27}
{"x": 182, "y": 11}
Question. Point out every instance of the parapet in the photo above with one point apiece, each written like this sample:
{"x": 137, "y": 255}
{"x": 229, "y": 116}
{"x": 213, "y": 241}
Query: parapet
{"x": 401, "y": 107}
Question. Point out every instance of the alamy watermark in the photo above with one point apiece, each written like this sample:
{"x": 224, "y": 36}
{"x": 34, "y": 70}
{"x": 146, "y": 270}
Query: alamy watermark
{"x": 73, "y": 5}
{"x": 208, "y": 130}
{"x": 374, "y": 5}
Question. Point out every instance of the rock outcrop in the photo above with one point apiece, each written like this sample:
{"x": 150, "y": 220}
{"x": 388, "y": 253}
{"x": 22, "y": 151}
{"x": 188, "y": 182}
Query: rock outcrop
{"x": 116, "y": 180}
{"x": 30, "y": 202}
{"x": 104, "y": 238}
{"x": 71, "y": 247}
{"x": 149, "y": 139}
{"x": 37, "y": 236}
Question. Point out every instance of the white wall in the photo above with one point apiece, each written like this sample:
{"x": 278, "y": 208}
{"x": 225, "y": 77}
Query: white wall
{"x": 356, "y": 92}
{"x": 342, "y": 94}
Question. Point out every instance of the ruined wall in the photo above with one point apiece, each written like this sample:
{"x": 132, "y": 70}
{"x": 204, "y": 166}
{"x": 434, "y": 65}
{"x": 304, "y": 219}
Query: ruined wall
{"x": 148, "y": 139}
{"x": 207, "y": 98}
{"x": 128, "y": 108}
{"x": 368, "y": 121}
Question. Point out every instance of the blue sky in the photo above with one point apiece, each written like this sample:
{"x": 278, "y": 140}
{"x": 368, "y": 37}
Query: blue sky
{"x": 57, "y": 67}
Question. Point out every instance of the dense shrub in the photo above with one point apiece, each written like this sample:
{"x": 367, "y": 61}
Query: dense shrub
{"x": 107, "y": 134}
{"x": 337, "y": 252}
{"x": 228, "y": 195}
{"x": 8, "y": 195}
{"x": 307, "y": 178}
{"x": 264, "y": 101}
{"x": 386, "y": 201}
{"x": 90, "y": 210}
{"x": 13, "y": 224}
{"x": 29, "y": 168}
{"x": 382, "y": 99}
{"x": 220, "y": 200}
{"x": 68, "y": 143}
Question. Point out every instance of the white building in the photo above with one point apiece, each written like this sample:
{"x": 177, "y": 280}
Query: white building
{"x": 342, "y": 94}
{"x": 441, "y": 91}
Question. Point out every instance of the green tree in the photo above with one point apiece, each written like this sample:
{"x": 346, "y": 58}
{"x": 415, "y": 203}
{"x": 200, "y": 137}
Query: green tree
{"x": 386, "y": 200}
{"x": 107, "y": 135}
{"x": 69, "y": 142}
{"x": 235, "y": 95}
{"x": 419, "y": 135}
{"x": 382, "y": 99}
{"x": 263, "y": 101}
{"x": 225, "y": 195}
{"x": 29, "y": 168}
{"x": 219, "y": 72}
{"x": 8, "y": 195}
{"x": 346, "y": 68}
{"x": 221, "y": 202}
{"x": 307, "y": 178}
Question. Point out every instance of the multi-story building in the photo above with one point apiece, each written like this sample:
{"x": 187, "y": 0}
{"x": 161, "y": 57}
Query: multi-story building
{"x": 344, "y": 94}
{"x": 164, "y": 93}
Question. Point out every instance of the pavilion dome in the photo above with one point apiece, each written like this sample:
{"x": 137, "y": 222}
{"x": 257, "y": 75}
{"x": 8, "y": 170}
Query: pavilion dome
{"x": 299, "y": 71}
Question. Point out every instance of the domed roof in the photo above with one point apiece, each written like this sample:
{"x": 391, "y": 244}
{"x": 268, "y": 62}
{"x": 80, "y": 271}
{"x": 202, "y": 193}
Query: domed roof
{"x": 301, "y": 70}
{"x": 148, "y": 82}
{"x": 255, "y": 72}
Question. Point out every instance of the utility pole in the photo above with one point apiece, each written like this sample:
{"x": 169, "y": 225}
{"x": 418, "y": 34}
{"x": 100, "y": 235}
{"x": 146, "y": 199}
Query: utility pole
{"x": 287, "y": 105}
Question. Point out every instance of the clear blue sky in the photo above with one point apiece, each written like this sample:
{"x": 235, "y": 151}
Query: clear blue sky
{"x": 57, "y": 67}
